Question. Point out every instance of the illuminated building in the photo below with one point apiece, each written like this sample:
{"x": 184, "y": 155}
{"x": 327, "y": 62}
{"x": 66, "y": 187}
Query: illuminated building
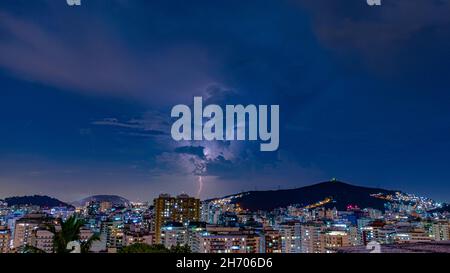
{"x": 173, "y": 234}
{"x": 43, "y": 240}
{"x": 371, "y": 232}
{"x": 138, "y": 237}
{"x": 85, "y": 234}
{"x": 181, "y": 209}
{"x": 374, "y": 213}
{"x": 290, "y": 235}
{"x": 5, "y": 238}
{"x": 255, "y": 243}
{"x": 413, "y": 235}
{"x": 92, "y": 208}
{"x": 334, "y": 239}
{"x": 97, "y": 246}
{"x": 355, "y": 239}
{"x": 230, "y": 243}
{"x": 105, "y": 206}
{"x": 229, "y": 219}
{"x": 386, "y": 235}
{"x": 219, "y": 239}
{"x": 113, "y": 234}
{"x": 422, "y": 247}
{"x": 441, "y": 231}
{"x": 272, "y": 240}
{"x": 311, "y": 237}
{"x": 25, "y": 227}
{"x": 195, "y": 230}
{"x": 223, "y": 243}
{"x": 331, "y": 213}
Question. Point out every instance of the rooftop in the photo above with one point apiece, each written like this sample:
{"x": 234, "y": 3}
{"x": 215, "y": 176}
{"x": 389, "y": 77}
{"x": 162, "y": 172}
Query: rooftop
{"x": 422, "y": 247}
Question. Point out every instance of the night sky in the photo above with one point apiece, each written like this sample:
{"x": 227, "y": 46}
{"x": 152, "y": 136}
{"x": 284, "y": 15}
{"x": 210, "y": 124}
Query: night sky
{"x": 86, "y": 94}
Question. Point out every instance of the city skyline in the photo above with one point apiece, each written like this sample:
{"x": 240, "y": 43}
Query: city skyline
{"x": 218, "y": 197}
{"x": 396, "y": 223}
{"x": 86, "y": 94}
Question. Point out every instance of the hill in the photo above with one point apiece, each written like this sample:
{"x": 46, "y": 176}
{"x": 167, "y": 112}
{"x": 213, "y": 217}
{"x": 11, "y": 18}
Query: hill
{"x": 36, "y": 200}
{"x": 114, "y": 199}
{"x": 330, "y": 194}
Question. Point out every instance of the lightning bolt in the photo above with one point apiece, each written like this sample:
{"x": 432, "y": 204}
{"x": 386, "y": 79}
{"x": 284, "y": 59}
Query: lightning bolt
{"x": 200, "y": 186}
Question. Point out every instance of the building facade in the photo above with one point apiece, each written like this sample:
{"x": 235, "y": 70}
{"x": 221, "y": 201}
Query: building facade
{"x": 180, "y": 209}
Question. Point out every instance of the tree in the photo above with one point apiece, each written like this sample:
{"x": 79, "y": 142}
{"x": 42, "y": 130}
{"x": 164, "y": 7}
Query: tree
{"x": 70, "y": 231}
{"x": 180, "y": 249}
{"x": 144, "y": 248}
{"x": 30, "y": 249}
{"x": 86, "y": 245}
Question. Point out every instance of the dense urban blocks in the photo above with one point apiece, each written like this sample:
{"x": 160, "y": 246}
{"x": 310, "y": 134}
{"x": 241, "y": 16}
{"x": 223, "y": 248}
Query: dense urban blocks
{"x": 185, "y": 224}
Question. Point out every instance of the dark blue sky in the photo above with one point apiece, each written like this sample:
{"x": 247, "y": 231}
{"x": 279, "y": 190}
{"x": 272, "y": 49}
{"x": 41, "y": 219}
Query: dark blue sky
{"x": 86, "y": 94}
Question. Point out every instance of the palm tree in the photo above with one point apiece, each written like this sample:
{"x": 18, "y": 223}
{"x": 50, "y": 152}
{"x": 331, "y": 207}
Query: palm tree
{"x": 30, "y": 249}
{"x": 86, "y": 245}
{"x": 70, "y": 231}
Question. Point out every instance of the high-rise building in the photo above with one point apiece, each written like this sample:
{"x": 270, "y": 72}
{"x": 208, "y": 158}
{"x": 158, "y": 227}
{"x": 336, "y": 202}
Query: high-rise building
{"x": 354, "y": 236}
{"x": 311, "y": 237}
{"x": 5, "y": 238}
{"x": 231, "y": 242}
{"x": 173, "y": 234}
{"x": 255, "y": 243}
{"x": 181, "y": 209}
{"x": 113, "y": 233}
{"x": 290, "y": 234}
{"x": 223, "y": 243}
{"x": 334, "y": 239}
{"x": 441, "y": 231}
{"x": 363, "y": 230}
{"x": 42, "y": 239}
{"x": 24, "y": 228}
{"x": 272, "y": 240}
{"x": 386, "y": 234}
{"x": 195, "y": 231}
{"x": 411, "y": 235}
{"x": 371, "y": 232}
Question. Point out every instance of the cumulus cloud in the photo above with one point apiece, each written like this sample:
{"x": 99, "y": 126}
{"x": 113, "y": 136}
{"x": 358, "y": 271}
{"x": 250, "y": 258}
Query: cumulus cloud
{"x": 192, "y": 150}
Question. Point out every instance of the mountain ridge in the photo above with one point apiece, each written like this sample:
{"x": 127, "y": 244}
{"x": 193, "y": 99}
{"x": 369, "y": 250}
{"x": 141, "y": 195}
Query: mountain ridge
{"x": 114, "y": 199}
{"x": 36, "y": 200}
{"x": 341, "y": 194}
